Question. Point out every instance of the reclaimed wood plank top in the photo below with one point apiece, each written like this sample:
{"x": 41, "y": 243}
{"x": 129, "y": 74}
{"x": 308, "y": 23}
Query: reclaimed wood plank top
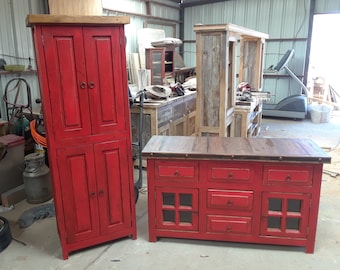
{"x": 33, "y": 19}
{"x": 235, "y": 148}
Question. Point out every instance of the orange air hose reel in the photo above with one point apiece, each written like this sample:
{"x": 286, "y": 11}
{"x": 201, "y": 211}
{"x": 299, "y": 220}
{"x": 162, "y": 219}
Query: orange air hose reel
{"x": 39, "y": 139}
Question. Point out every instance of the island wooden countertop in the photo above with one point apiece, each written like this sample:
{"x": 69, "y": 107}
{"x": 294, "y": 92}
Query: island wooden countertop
{"x": 235, "y": 148}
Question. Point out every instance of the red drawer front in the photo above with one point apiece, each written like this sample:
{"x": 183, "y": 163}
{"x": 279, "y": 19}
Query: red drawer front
{"x": 231, "y": 174}
{"x": 187, "y": 171}
{"x": 229, "y": 199}
{"x": 229, "y": 224}
{"x": 299, "y": 175}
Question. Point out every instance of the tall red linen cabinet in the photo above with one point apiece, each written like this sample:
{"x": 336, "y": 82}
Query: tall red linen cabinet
{"x": 83, "y": 85}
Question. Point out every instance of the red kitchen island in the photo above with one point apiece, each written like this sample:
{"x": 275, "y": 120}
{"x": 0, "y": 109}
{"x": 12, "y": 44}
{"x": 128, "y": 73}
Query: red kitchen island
{"x": 252, "y": 190}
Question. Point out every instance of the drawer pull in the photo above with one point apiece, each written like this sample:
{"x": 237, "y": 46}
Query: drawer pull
{"x": 230, "y": 175}
{"x": 288, "y": 178}
{"x": 228, "y": 229}
{"x": 230, "y": 203}
{"x": 176, "y": 173}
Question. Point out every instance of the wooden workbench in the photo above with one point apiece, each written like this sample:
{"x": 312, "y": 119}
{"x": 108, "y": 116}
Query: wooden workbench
{"x": 172, "y": 116}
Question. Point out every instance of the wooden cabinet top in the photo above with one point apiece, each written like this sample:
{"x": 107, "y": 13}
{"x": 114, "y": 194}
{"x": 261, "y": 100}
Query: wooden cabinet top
{"x": 232, "y": 28}
{"x": 33, "y": 19}
{"x": 235, "y": 148}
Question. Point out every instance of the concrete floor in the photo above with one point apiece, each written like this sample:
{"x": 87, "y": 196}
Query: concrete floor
{"x": 43, "y": 251}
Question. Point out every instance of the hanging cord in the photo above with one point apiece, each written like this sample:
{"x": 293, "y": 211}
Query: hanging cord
{"x": 39, "y": 139}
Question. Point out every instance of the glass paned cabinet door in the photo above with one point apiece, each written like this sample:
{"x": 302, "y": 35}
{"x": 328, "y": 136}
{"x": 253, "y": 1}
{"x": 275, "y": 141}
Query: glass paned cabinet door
{"x": 155, "y": 62}
{"x": 177, "y": 208}
{"x": 285, "y": 214}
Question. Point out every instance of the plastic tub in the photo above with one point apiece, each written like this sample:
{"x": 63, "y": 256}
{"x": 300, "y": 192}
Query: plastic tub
{"x": 320, "y": 113}
{"x": 12, "y": 163}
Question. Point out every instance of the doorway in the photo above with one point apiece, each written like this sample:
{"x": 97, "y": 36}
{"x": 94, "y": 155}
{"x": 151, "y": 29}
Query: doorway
{"x": 324, "y": 62}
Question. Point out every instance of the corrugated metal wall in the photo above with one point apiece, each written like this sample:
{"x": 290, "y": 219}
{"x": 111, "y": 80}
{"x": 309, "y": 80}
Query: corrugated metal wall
{"x": 16, "y": 39}
{"x": 327, "y": 6}
{"x": 285, "y": 21}
{"x": 16, "y": 45}
{"x": 281, "y": 19}
{"x": 160, "y": 17}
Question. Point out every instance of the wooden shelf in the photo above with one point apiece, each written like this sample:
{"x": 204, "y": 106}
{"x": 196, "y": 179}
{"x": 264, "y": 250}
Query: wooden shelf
{"x": 248, "y": 118}
{"x": 4, "y": 72}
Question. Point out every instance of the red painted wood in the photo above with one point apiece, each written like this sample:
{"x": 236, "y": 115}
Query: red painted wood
{"x": 65, "y": 59}
{"x": 106, "y": 68}
{"x": 78, "y": 187}
{"x": 112, "y": 170}
{"x": 267, "y": 200}
{"x": 83, "y": 85}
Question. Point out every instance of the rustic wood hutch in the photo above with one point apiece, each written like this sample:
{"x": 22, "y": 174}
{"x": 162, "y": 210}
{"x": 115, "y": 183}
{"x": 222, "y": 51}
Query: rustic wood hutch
{"x": 221, "y": 50}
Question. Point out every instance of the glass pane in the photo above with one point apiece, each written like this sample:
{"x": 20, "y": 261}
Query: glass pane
{"x": 293, "y": 223}
{"x": 169, "y": 215}
{"x": 275, "y": 204}
{"x": 169, "y": 199}
{"x": 185, "y": 199}
{"x": 294, "y": 205}
{"x": 185, "y": 216}
{"x": 274, "y": 222}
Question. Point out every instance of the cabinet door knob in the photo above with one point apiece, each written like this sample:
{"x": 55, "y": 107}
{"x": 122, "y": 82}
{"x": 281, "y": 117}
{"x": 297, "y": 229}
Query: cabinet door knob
{"x": 92, "y": 194}
{"x": 82, "y": 85}
{"x": 101, "y": 192}
{"x": 91, "y": 85}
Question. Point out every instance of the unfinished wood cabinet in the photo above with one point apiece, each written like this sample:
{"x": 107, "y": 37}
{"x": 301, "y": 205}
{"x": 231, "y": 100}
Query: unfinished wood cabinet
{"x": 174, "y": 116}
{"x": 220, "y": 49}
{"x": 248, "y": 118}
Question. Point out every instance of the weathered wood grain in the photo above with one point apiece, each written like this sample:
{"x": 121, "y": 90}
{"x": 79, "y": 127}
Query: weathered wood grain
{"x": 235, "y": 148}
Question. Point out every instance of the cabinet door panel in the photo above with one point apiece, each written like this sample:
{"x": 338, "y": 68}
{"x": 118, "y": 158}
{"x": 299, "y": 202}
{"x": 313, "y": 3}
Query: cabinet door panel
{"x": 176, "y": 209}
{"x": 107, "y": 83}
{"x": 66, "y": 80}
{"x": 78, "y": 187}
{"x": 285, "y": 214}
{"x": 112, "y": 164}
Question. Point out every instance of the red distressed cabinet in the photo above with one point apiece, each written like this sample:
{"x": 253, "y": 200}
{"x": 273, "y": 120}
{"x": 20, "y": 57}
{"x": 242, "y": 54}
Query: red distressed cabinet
{"x": 253, "y": 190}
{"x": 83, "y": 85}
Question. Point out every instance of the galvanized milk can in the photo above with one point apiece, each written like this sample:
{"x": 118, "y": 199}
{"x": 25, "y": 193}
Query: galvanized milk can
{"x": 37, "y": 179}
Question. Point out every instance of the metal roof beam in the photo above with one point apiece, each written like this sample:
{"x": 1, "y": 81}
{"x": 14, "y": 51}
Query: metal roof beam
{"x": 200, "y": 3}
